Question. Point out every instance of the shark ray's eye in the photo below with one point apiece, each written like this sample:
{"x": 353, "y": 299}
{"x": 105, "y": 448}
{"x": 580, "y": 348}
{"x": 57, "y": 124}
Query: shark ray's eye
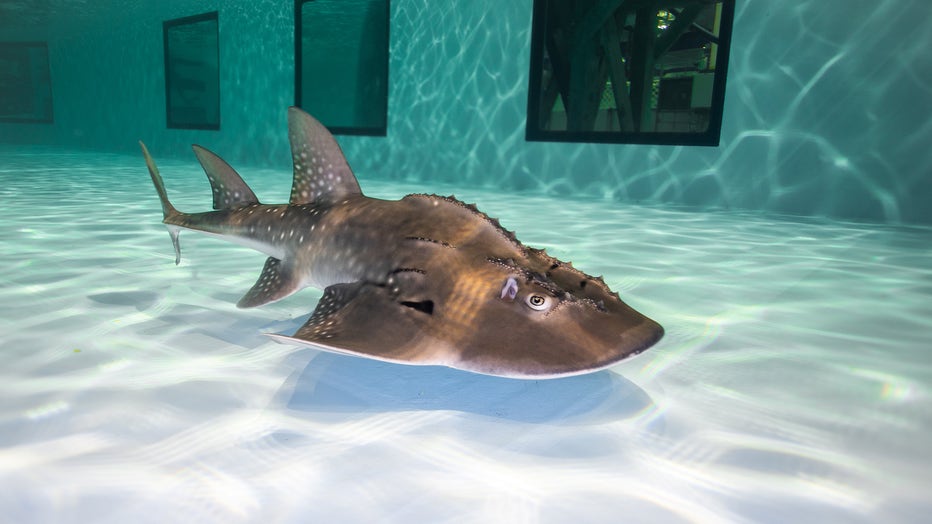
{"x": 510, "y": 289}
{"x": 538, "y": 302}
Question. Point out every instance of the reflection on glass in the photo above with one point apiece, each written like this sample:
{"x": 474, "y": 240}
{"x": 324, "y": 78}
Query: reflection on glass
{"x": 25, "y": 82}
{"x": 192, "y": 72}
{"x": 341, "y": 63}
{"x": 629, "y": 70}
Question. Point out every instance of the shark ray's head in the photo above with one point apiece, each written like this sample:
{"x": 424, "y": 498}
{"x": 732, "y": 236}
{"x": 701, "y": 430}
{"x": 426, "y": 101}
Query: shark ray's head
{"x": 539, "y": 319}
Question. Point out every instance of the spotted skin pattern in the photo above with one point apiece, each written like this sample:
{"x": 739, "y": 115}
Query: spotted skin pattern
{"x": 426, "y": 280}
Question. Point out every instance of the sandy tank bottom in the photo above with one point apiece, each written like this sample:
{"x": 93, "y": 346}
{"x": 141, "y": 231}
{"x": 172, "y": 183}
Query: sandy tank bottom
{"x": 792, "y": 386}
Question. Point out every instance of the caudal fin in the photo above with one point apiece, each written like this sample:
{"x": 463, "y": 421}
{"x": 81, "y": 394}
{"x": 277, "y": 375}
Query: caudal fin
{"x": 168, "y": 210}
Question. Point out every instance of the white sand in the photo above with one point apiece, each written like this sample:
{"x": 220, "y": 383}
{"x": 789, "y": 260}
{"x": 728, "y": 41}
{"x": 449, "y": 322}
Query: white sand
{"x": 793, "y": 384}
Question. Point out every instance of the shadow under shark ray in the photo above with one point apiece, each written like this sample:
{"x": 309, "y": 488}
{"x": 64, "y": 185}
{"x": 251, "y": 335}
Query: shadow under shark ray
{"x": 336, "y": 384}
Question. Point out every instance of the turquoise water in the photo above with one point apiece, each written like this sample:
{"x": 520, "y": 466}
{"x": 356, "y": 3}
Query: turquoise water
{"x": 793, "y": 384}
{"x": 824, "y": 109}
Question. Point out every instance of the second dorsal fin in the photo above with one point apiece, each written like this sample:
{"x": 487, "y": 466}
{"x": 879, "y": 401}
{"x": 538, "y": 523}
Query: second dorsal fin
{"x": 321, "y": 174}
{"x": 227, "y": 186}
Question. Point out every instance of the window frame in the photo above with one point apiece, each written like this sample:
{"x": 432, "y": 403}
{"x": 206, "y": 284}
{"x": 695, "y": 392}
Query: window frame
{"x": 47, "y": 117}
{"x": 380, "y": 130}
{"x": 167, "y": 26}
{"x": 710, "y": 137}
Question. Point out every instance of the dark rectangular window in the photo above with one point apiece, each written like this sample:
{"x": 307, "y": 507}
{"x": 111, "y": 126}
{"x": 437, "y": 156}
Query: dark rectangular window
{"x": 192, "y": 72}
{"x": 25, "y": 82}
{"x": 341, "y": 63}
{"x": 629, "y": 71}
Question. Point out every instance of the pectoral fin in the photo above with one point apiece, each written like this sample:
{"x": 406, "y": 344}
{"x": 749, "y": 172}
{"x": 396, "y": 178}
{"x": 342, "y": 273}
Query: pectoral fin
{"x": 370, "y": 320}
{"x": 276, "y": 282}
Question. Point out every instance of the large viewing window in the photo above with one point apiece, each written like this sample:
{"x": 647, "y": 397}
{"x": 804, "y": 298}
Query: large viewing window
{"x": 629, "y": 71}
{"x": 25, "y": 82}
{"x": 341, "y": 63}
{"x": 192, "y": 72}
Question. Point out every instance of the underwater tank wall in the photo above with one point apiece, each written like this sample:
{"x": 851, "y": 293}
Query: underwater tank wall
{"x": 824, "y": 110}
{"x": 793, "y": 383}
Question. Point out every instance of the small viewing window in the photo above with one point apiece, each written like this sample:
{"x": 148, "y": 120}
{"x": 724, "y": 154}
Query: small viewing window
{"x": 192, "y": 72}
{"x": 25, "y": 82}
{"x": 341, "y": 63}
{"x": 629, "y": 71}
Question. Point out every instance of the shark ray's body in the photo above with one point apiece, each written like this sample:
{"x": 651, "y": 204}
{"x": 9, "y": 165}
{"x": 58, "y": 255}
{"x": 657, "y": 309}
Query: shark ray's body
{"x": 421, "y": 280}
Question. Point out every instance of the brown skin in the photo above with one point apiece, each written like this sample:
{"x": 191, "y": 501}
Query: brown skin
{"x": 422, "y": 280}
{"x": 458, "y": 260}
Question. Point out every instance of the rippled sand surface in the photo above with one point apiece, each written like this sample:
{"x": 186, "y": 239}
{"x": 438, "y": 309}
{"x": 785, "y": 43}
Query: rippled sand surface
{"x": 792, "y": 386}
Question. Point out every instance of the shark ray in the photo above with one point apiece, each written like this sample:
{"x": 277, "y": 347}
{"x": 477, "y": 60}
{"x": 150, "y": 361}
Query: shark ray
{"x": 425, "y": 280}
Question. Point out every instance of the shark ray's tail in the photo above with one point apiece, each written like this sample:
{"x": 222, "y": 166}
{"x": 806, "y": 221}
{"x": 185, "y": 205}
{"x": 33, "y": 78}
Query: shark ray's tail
{"x": 168, "y": 210}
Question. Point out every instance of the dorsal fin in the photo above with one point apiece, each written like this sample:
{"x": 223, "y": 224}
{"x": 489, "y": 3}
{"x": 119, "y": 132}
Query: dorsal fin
{"x": 321, "y": 174}
{"x": 228, "y": 187}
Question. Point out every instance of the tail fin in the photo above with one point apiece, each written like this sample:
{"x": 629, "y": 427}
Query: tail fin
{"x": 168, "y": 210}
